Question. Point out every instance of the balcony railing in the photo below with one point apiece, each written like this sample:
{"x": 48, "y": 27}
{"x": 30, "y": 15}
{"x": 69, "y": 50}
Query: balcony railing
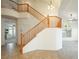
{"x": 9, "y": 4}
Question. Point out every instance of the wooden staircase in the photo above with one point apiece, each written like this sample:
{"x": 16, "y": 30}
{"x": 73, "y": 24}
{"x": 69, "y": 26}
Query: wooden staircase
{"x": 44, "y": 23}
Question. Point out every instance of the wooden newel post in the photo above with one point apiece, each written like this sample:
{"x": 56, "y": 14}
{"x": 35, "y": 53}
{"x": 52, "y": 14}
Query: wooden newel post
{"x": 48, "y": 22}
{"x": 21, "y": 43}
{"x": 27, "y": 7}
{"x": 21, "y": 39}
{"x": 59, "y": 23}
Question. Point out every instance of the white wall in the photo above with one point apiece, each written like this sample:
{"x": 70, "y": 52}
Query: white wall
{"x": 75, "y": 30}
{"x": 2, "y": 32}
{"x": 9, "y": 12}
{"x": 4, "y": 21}
{"x": 25, "y": 22}
{"x": 48, "y": 39}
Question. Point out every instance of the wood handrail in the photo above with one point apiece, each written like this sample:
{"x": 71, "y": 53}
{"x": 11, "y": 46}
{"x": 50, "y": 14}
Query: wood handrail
{"x": 35, "y": 26}
{"x": 22, "y": 4}
{"x": 35, "y": 29}
{"x": 28, "y": 6}
{"x": 32, "y": 8}
{"x": 37, "y": 11}
{"x": 14, "y": 2}
{"x": 56, "y": 17}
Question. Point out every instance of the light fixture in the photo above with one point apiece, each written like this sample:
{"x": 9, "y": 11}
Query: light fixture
{"x": 71, "y": 18}
{"x": 50, "y": 5}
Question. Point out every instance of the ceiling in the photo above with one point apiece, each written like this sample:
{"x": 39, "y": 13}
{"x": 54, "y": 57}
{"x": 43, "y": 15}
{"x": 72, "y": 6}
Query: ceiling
{"x": 69, "y": 7}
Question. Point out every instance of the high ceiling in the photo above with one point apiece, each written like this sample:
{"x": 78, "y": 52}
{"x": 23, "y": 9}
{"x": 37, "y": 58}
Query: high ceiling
{"x": 69, "y": 7}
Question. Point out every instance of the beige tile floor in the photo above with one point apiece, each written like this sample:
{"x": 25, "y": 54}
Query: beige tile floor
{"x": 69, "y": 51}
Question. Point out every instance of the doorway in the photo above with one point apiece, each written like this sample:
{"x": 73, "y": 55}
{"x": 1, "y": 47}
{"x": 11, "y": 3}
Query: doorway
{"x": 10, "y": 33}
{"x": 70, "y": 30}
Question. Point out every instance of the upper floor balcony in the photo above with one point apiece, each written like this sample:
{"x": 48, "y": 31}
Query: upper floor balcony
{"x": 8, "y": 4}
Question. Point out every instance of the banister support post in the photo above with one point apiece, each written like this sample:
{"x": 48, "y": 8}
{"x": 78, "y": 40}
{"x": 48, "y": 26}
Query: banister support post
{"x": 48, "y": 21}
{"x": 21, "y": 43}
{"x": 27, "y": 7}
